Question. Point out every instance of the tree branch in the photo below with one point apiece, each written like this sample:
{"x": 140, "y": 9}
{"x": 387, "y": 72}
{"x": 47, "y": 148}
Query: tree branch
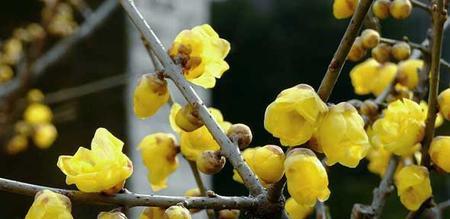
{"x": 421, "y": 5}
{"x": 420, "y": 47}
{"x": 200, "y": 185}
{"x": 340, "y": 56}
{"x": 128, "y": 199}
{"x": 229, "y": 150}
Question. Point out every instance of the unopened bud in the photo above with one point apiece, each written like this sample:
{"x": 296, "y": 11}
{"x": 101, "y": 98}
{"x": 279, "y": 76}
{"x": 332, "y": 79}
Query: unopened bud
{"x": 177, "y": 212}
{"x": 370, "y": 38}
{"x": 380, "y": 8}
{"x": 400, "y": 9}
{"x": 401, "y": 51}
{"x": 357, "y": 52}
{"x": 241, "y": 133}
{"x": 382, "y": 53}
{"x": 229, "y": 214}
{"x": 187, "y": 118}
{"x": 210, "y": 162}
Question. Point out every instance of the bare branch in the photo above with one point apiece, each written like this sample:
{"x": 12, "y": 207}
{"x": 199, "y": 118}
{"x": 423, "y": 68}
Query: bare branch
{"x": 229, "y": 150}
{"x": 200, "y": 185}
{"x": 340, "y": 56}
{"x": 128, "y": 199}
{"x": 421, "y": 5}
{"x": 420, "y": 47}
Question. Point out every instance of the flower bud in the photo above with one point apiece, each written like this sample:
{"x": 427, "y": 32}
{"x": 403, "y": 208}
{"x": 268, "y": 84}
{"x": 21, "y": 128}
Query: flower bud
{"x": 37, "y": 113}
{"x": 152, "y": 213}
{"x": 269, "y": 163}
{"x": 48, "y": 204}
{"x": 307, "y": 179}
{"x": 177, "y": 212}
{"x": 370, "y": 38}
{"x": 188, "y": 119}
{"x": 17, "y": 144}
{"x": 408, "y": 72}
{"x": 111, "y": 215}
{"x": 440, "y": 152}
{"x": 357, "y": 52}
{"x": 242, "y": 133}
{"x": 344, "y": 8}
{"x": 44, "y": 135}
{"x": 382, "y": 53}
{"x": 380, "y": 8}
{"x": 6, "y": 73}
{"x": 150, "y": 94}
{"x": 23, "y": 128}
{"x": 229, "y": 214}
{"x": 401, "y": 51}
{"x": 35, "y": 95}
{"x": 400, "y": 9}
{"x": 210, "y": 162}
{"x": 35, "y": 31}
{"x": 413, "y": 186}
{"x": 295, "y": 210}
{"x": 444, "y": 103}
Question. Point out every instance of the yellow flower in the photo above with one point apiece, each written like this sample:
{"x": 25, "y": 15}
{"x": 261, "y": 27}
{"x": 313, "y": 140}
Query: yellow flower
{"x": 307, "y": 179}
{"x": 6, "y": 73}
{"x": 201, "y": 54}
{"x": 344, "y": 8}
{"x": 177, "y": 212}
{"x": 159, "y": 153}
{"x": 192, "y": 144}
{"x": 111, "y": 215}
{"x": 408, "y": 72}
{"x": 401, "y": 127}
{"x": 342, "y": 137}
{"x": 296, "y": 211}
{"x": 187, "y": 118}
{"x": 17, "y": 144}
{"x": 378, "y": 160}
{"x": 440, "y": 152}
{"x": 50, "y": 205}
{"x": 268, "y": 163}
{"x": 363, "y": 75}
{"x": 444, "y": 103}
{"x": 295, "y": 115}
{"x": 150, "y": 94}
{"x": 44, "y": 135}
{"x": 413, "y": 186}
{"x": 37, "y": 113}
{"x": 99, "y": 169}
{"x": 152, "y": 213}
{"x": 385, "y": 76}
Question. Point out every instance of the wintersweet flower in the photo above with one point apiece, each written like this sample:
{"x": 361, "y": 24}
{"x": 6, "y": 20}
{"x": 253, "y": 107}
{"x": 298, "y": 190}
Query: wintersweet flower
{"x": 295, "y": 115}
{"x": 385, "y": 75}
{"x": 159, "y": 153}
{"x": 408, "y": 72}
{"x": 37, "y": 113}
{"x": 401, "y": 128}
{"x": 444, "y": 103}
{"x": 362, "y": 76}
{"x": 440, "y": 152}
{"x": 344, "y": 8}
{"x": 413, "y": 186}
{"x": 150, "y": 94}
{"x": 307, "y": 179}
{"x": 103, "y": 168}
{"x": 378, "y": 160}
{"x": 268, "y": 163}
{"x": 111, "y": 215}
{"x": 177, "y": 212}
{"x": 201, "y": 53}
{"x": 342, "y": 137}
{"x": 152, "y": 213}
{"x": 296, "y": 211}
{"x": 50, "y": 205}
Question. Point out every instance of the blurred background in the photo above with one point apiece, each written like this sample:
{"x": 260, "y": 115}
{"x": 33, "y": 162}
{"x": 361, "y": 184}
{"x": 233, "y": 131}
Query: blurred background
{"x": 275, "y": 44}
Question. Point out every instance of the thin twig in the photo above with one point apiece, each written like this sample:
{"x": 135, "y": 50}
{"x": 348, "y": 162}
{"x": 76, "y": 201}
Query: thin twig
{"x": 229, "y": 150}
{"x": 132, "y": 199}
{"x": 322, "y": 211}
{"x": 340, "y": 56}
{"x": 413, "y": 45}
{"x": 421, "y": 5}
{"x": 200, "y": 185}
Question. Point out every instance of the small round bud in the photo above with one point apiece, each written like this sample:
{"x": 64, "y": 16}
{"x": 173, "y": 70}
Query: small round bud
{"x": 177, "y": 212}
{"x": 23, "y": 128}
{"x": 35, "y": 95}
{"x": 400, "y": 9}
{"x": 370, "y": 38}
{"x": 444, "y": 103}
{"x": 401, "y": 51}
{"x": 150, "y": 94}
{"x": 382, "y": 53}
{"x": 44, "y": 135}
{"x": 380, "y": 8}
{"x": 369, "y": 108}
{"x": 6, "y": 73}
{"x": 210, "y": 162}
{"x": 17, "y": 144}
{"x": 187, "y": 118}
{"x": 357, "y": 52}
{"x": 229, "y": 214}
{"x": 242, "y": 133}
